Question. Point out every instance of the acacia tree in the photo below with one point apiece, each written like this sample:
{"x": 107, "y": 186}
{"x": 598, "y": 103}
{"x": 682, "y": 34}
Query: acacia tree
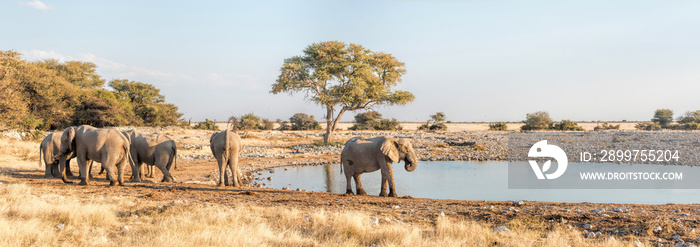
{"x": 343, "y": 77}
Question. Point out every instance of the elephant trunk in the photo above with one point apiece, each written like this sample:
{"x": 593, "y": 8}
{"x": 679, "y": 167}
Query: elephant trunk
{"x": 411, "y": 163}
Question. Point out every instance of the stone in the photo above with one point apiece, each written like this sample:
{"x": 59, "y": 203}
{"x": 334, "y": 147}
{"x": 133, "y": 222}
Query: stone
{"x": 441, "y": 214}
{"x": 587, "y": 226}
{"x": 60, "y": 226}
{"x": 125, "y": 228}
{"x": 657, "y": 229}
{"x": 637, "y": 243}
{"x": 374, "y": 220}
{"x": 502, "y": 229}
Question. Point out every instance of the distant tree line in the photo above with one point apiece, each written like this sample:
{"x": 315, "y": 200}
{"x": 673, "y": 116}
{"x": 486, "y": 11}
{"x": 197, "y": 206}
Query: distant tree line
{"x": 663, "y": 119}
{"x": 52, "y": 95}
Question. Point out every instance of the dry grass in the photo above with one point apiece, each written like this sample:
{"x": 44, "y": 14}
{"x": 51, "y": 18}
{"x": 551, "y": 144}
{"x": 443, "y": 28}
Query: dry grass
{"x": 29, "y": 219}
{"x": 32, "y": 216}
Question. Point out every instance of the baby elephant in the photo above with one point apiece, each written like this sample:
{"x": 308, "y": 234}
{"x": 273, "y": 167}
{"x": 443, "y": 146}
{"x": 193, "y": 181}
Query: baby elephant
{"x": 48, "y": 147}
{"x": 154, "y": 150}
{"x": 226, "y": 147}
{"x": 368, "y": 155}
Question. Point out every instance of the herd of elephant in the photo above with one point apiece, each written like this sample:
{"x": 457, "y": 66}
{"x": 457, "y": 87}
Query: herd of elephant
{"x": 114, "y": 150}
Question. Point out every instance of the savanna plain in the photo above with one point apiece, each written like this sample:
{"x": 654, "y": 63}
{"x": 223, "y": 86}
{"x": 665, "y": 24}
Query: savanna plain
{"x": 192, "y": 211}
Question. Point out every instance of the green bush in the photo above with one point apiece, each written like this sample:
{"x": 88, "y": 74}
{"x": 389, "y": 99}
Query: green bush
{"x": 373, "y": 120}
{"x": 436, "y": 122}
{"x": 498, "y": 126}
{"x": 648, "y": 126}
{"x": 301, "y": 121}
{"x": 690, "y": 117}
{"x": 663, "y": 117}
{"x": 567, "y": 125}
{"x": 690, "y": 126}
{"x": 206, "y": 125}
{"x": 249, "y": 122}
{"x": 606, "y": 126}
{"x": 537, "y": 121}
{"x": 267, "y": 124}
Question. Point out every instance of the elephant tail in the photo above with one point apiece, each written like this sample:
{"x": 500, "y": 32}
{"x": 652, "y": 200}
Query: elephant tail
{"x": 128, "y": 155}
{"x": 227, "y": 146}
{"x": 41, "y": 154}
{"x": 173, "y": 159}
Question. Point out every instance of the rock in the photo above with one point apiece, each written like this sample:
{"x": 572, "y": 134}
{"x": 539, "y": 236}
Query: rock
{"x": 677, "y": 210}
{"x": 657, "y": 229}
{"x": 590, "y": 235}
{"x": 441, "y": 214}
{"x": 179, "y": 201}
{"x": 604, "y": 215}
{"x": 610, "y": 238}
{"x": 598, "y": 210}
{"x": 587, "y": 226}
{"x": 60, "y": 226}
{"x": 502, "y": 229}
{"x": 637, "y": 243}
{"x": 677, "y": 219}
{"x": 491, "y": 219}
{"x": 285, "y": 188}
{"x": 518, "y": 203}
{"x": 676, "y": 237}
{"x": 124, "y": 228}
{"x": 562, "y": 220}
{"x": 395, "y": 206}
{"x": 374, "y": 220}
{"x": 620, "y": 210}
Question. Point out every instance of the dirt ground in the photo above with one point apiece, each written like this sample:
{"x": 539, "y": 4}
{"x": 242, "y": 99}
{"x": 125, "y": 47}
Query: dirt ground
{"x": 659, "y": 224}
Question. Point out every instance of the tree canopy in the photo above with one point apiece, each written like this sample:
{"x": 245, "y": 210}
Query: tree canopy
{"x": 51, "y": 95}
{"x": 343, "y": 77}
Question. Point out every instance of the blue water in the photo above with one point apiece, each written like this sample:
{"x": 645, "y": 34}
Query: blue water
{"x": 464, "y": 180}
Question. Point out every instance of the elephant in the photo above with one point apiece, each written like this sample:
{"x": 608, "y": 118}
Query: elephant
{"x": 367, "y": 155}
{"x": 226, "y": 147}
{"x": 154, "y": 150}
{"x": 106, "y": 145}
{"x": 47, "y": 148}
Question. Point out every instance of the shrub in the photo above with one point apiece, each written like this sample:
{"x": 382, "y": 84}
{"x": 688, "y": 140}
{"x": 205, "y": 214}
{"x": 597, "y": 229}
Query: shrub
{"x": 301, "y": 121}
{"x": 690, "y": 126}
{"x": 498, "y": 126}
{"x": 648, "y": 126}
{"x": 390, "y": 124}
{"x": 249, "y": 122}
{"x": 206, "y": 125}
{"x": 567, "y": 125}
{"x": 663, "y": 117}
{"x": 436, "y": 122}
{"x": 267, "y": 124}
{"x": 690, "y": 117}
{"x": 537, "y": 121}
{"x": 372, "y": 120}
{"x": 284, "y": 125}
{"x": 606, "y": 126}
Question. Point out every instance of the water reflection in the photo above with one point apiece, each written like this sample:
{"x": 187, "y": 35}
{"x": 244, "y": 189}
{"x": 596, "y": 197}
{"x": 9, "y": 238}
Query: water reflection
{"x": 463, "y": 180}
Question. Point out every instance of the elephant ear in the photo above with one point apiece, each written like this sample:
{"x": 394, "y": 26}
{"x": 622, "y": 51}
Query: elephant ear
{"x": 67, "y": 139}
{"x": 389, "y": 149}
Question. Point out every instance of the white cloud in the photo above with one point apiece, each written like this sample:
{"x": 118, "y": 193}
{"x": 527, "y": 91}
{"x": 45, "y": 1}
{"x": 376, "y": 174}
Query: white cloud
{"x": 41, "y": 55}
{"x": 36, "y": 4}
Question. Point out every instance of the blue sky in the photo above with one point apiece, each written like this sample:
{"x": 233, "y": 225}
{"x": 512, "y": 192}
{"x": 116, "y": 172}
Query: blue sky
{"x": 473, "y": 60}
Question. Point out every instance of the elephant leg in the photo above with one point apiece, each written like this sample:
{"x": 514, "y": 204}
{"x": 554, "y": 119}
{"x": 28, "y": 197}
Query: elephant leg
{"x": 348, "y": 181}
{"x": 110, "y": 164}
{"x": 392, "y": 186}
{"x": 162, "y": 163}
{"x": 82, "y": 168}
{"x": 382, "y": 190}
{"x": 68, "y": 171}
{"x": 49, "y": 170}
{"x": 150, "y": 170}
{"x": 222, "y": 172}
{"x": 236, "y": 180}
{"x": 135, "y": 169}
{"x": 120, "y": 170}
{"x": 90, "y": 163}
{"x": 358, "y": 185}
{"x": 102, "y": 170}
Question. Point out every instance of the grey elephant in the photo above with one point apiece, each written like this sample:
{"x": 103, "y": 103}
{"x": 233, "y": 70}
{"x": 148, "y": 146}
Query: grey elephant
{"x": 48, "y": 147}
{"x": 367, "y": 155}
{"x": 153, "y": 149}
{"x": 106, "y": 145}
{"x": 226, "y": 147}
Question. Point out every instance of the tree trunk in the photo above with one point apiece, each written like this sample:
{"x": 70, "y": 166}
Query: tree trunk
{"x": 329, "y": 123}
